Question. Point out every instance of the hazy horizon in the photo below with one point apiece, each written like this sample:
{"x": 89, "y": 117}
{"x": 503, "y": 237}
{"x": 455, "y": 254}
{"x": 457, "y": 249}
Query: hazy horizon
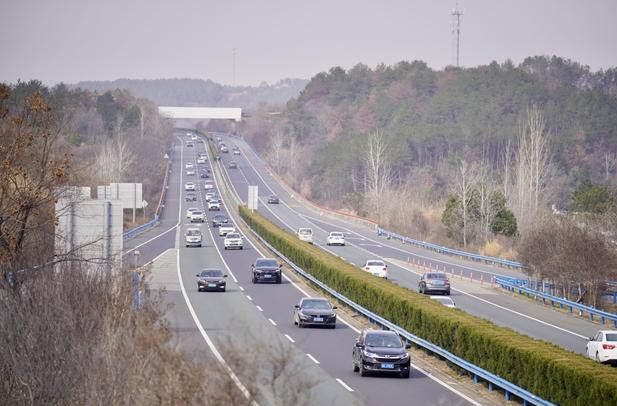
{"x": 71, "y": 41}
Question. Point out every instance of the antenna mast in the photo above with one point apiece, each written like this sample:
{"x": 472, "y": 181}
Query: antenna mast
{"x": 233, "y": 79}
{"x": 456, "y": 14}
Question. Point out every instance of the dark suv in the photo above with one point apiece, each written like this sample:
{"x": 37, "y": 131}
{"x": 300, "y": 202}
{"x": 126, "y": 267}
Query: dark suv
{"x": 266, "y": 270}
{"x": 219, "y": 219}
{"x": 434, "y": 282}
{"x": 381, "y": 351}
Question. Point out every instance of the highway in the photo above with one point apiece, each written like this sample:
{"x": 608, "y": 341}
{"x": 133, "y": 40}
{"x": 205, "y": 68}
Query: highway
{"x": 519, "y": 314}
{"x": 258, "y": 316}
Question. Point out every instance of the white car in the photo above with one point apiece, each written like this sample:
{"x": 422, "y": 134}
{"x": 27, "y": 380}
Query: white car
{"x": 189, "y": 186}
{"x": 210, "y": 196}
{"x": 236, "y": 151}
{"x": 197, "y": 216}
{"x": 305, "y": 234}
{"x": 445, "y": 300}
{"x": 233, "y": 240}
{"x": 189, "y": 165}
{"x": 190, "y": 211}
{"x": 190, "y": 172}
{"x": 224, "y": 229}
{"x": 376, "y": 267}
{"x": 192, "y": 237}
{"x": 194, "y": 137}
{"x": 188, "y": 133}
{"x": 335, "y": 238}
{"x": 208, "y": 185}
{"x": 603, "y": 347}
{"x": 214, "y": 204}
{"x": 201, "y": 160}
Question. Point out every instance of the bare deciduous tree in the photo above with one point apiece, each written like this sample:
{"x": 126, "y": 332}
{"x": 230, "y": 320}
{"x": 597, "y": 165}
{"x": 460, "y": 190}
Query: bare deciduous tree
{"x": 114, "y": 161}
{"x": 464, "y": 184}
{"x": 378, "y": 170}
{"x": 533, "y": 169}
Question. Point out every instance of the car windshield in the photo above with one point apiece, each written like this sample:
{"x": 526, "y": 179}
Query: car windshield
{"x": 383, "y": 340}
{"x": 220, "y": 217}
{"x": 198, "y": 212}
{"x": 233, "y": 235}
{"x": 436, "y": 276}
{"x": 375, "y": 263}
{"x": 193, "y": 232}
{"x": 305, "y": 231}
{"x": 266, "y": 262}
{"x": 611, "y": 336}
{"x": 210, "y": 273}
{"x": 316, "y": 304}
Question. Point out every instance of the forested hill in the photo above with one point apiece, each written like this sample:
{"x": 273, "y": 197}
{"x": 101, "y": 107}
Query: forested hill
{"x": 431, "y": 117}
{"x": 197, "y": 92}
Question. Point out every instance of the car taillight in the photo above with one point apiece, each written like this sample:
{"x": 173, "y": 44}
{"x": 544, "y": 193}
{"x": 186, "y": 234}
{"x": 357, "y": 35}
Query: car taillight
{"x": 608, "y": 346}
{"x": 447, "y": 282}
{"x": 384, "y": 268}
{"x": 366, "y": 268}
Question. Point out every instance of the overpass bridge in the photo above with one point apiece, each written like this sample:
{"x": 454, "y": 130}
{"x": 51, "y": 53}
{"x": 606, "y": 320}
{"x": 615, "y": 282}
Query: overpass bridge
{"x": 202, "y": 113}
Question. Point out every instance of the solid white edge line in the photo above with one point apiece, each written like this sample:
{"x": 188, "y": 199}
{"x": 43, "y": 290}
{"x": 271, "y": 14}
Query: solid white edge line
{"x": 259, "y": 308}
{"x": 344, "y": 385}
{"x": 205, "y": 336}
{"x": 447, "y": 386}
{"x": 249, "y": 298}
{"x": 289, "y": 338}
{"x": 312, "y": 358}
{"x": 272, "y": 321}
{"x": 241, "y": 288}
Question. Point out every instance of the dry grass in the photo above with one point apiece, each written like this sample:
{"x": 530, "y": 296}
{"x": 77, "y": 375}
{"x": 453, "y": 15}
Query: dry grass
{"x": 72, "y": 337}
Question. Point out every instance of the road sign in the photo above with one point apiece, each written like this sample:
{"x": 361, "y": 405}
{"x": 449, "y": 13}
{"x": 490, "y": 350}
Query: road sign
{"x": 253, "y": 197}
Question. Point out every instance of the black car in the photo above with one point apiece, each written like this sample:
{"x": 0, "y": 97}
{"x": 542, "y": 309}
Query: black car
{"x": 204, "y": 175}
{"x": 211, "y": 279}
{"x": 314, "y": 311}
{"x": 436, "y": 282}
{"x": 190, "y": 197}
{"x": 381, "y": 351}
{"x": 219, "y": 219}
{"x": 266, "y": 270}
{"x": 273, "y": 200}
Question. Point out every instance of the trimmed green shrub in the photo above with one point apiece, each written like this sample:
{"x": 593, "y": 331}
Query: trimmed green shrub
{"x": 542, "y": 368}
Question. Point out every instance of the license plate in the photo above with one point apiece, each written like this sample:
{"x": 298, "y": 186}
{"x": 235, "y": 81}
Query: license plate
{"x": 387, "y": 366}
{"x": 212, "y": 285}
{"x": 267, "y": 276}
{"x": 437, "y": 283}
{"x": 318, "y": 319}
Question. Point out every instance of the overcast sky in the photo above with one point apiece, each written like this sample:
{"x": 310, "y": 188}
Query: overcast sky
{"x": 74, "y": 40}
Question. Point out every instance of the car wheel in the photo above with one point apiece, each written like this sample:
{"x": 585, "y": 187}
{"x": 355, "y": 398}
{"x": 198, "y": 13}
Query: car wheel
{"x": 300, "y": 324}
{"x": 223, "y": 289}
{"x": 362, "y": 370}
{"x": 355, "y": 367}
{"x": 253, "y": 280}
{"x": 448, "y": 293}
{"x": 241, "y": 248}
{"x": 597, "y": 356}
{"x": 279, "y": 280}
{"x": 225, "y": 248}
{"x": 333, "y": 326}
{"x": 420, "y": 291}
{"x": 404, "y": 374}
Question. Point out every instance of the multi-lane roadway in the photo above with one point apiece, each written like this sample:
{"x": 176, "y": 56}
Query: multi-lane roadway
{"x": 362, "y": 243}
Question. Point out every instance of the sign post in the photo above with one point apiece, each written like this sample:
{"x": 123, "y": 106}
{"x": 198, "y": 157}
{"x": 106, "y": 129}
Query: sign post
{"x": 253, "y": 197}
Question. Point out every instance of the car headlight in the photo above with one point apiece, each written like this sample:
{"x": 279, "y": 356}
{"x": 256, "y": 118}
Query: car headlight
{"x": 405, "y": 355}
{"x": 303, "y": 316}
{"x": 370, "y": 354}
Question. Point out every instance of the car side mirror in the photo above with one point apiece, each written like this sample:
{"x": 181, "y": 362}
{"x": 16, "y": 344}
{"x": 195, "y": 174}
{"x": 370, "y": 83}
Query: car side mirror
{"x": 252, "y": 265}
{"x": 334, "y": 307}
{"x": 359, "y": 345}
{"x": 280, "y": 266}
{"x": 407, "y": 346}
{"x": 197, "y": 275}
{"x": 297, "y": 306}
{"x": 590, "y": 338}
{"x": 224, "y": 276}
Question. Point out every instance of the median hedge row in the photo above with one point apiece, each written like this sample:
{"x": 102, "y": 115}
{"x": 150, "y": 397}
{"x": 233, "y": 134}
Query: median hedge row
{"x": 548, "y": 371}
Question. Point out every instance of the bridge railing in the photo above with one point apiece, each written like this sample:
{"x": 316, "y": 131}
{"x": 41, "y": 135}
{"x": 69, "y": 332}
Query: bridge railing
{"x": 517, "y": 286}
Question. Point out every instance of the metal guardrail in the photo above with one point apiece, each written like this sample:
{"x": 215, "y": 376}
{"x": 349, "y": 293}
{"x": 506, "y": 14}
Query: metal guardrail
{"x": 449, "y": 251}
{"x": 513, "y": 285}
{"x": 140, "y": 229}
{"x": 477, "y": 372}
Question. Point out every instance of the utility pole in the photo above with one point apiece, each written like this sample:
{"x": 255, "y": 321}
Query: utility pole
{"x": 233, "y": 81}
{"x": 456, "y": 30}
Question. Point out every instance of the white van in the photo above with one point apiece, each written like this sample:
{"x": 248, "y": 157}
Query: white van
{"x": 305, "y": 234}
